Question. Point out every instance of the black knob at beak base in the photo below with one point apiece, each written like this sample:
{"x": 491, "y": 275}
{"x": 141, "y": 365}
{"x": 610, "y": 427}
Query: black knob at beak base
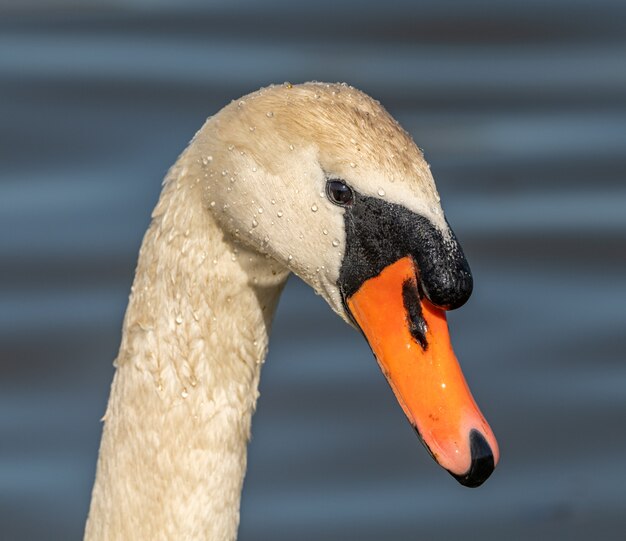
{"x": 482, "y": 462}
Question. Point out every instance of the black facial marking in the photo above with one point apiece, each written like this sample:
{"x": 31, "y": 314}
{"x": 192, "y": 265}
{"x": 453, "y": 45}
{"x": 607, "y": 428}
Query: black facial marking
{"x": 378, "y": 233}
{"x": 413, "y": 306}
{"x": 482, "y": 462}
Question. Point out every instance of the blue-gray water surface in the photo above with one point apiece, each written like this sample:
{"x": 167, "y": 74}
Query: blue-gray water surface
{"x": 521, "y": 109}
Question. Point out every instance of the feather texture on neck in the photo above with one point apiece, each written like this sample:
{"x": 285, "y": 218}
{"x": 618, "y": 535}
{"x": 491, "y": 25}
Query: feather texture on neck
{"x": 173, "y": 452}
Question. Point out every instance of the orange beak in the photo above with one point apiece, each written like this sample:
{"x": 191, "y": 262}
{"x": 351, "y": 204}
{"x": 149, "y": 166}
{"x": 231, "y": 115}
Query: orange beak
{"x": 410, "y": 339}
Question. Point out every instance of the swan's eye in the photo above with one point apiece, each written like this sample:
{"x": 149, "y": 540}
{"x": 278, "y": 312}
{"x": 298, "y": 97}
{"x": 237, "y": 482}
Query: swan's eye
{"x": 339, "y": 193}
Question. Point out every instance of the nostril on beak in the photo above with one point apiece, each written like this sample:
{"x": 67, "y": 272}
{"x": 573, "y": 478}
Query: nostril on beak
{"x": 482, "y": 462}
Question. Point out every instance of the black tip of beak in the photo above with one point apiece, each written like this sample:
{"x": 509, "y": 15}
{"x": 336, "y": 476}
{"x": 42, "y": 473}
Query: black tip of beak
{"x": 482, "y": 462}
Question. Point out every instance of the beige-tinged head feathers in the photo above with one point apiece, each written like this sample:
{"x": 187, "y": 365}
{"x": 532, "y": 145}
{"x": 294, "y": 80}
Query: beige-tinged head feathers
{"x": 349, "y": 129}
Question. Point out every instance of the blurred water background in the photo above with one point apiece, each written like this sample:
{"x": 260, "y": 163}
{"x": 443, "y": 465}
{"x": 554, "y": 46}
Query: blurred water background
{"x": 521, "y": 109}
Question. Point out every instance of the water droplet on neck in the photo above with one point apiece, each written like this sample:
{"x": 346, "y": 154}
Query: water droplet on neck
{"x": 230, "y": 147}
{"x": 254, "y": 222}
{"x": 381, "y": 192}
{"x": 289, "y": 257}
{"x": 254, "y": 169}
{"x": 269, "y": 114}
{"x": 291, "y": 147}
{"x": 314, "y": 207}
{"x": 352, "y": 164}
{"x": 212, "y": 203}
{"x": 325, "y": 231}
{"x": 335, "y": 243}
{"x": 179, "y": 319}
{"x": 184, "y": 393}
{"x": 279, "y": 214}
{"x": 260, "y": 210}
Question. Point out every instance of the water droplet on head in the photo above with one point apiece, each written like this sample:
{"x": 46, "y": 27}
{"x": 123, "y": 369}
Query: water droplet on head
{"x": 230, "y": 147}
{"x": 352, "y": 164}
{"x": 224, "y": 172}
{"x": 290, "y": 147}
{"x": 179, "y": 319}
{"x": 381, "y": 192}
{"x": 254, "y": 222}
{"x": 273, "y": 201}
{"x": 269, "y": 114}
{"x": 252, "y": 128}
{"x": 325, "y": 231}
{"x": 289, "y": 257}
{"x": 212, "y": 203}
{"x": 184, "y": 393}
{"x": 260, "y": 210}
{"x": 279, "y": 214}
{"x": 314, "y": 207}
{"x": 335, "y": 243}
{"x": 254, "y": 169}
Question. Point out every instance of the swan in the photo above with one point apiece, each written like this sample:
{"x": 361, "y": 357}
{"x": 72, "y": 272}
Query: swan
{"x": 315, "y": 179}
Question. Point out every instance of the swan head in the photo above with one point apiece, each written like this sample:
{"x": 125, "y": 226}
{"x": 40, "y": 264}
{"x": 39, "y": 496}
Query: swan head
{"x": 320, "y": 178}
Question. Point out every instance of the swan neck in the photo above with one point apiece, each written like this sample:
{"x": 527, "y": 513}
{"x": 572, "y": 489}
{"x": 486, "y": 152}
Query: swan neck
{"x": 173, "y": 452}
